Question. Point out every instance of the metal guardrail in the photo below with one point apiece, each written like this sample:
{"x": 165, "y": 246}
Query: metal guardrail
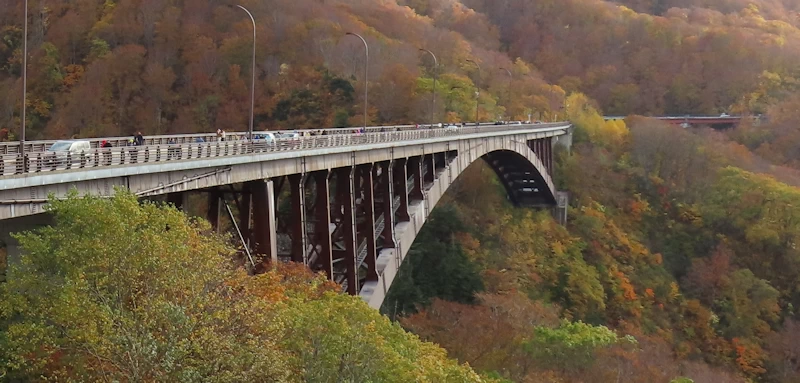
{"x": 12, "y": 147}
{"x": 41, "y": 162}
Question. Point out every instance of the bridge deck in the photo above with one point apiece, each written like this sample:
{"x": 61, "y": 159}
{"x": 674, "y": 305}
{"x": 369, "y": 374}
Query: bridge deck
{"x": 42, "y": 163}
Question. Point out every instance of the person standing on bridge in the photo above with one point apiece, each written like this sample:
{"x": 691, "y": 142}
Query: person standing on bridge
{"x": 106, "y": 153}
{"x": 138, "y": 139}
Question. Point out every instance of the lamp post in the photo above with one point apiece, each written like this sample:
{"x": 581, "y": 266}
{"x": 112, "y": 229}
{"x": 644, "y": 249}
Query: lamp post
{"x": 511, "y": 76}
{"x": 24, "y": 88}
{"x": 435, "y": 75}
{"x": 366, "y": 74}
{"x": 477, "y": 92}
{"x": 252, "y": 76}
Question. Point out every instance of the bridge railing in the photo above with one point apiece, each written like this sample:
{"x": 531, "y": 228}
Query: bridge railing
{"x": 12, "y": 147}
{"x": 42, "y": 162}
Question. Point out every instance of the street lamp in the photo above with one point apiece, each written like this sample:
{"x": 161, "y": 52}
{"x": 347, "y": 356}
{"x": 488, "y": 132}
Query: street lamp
{"x": 477, "y": 92}
{"x": 252, "y": 76}
{"x": 24, "y": 88}
{"x": 509, "y": 91}
{"x": 435, "y": 75}
{"x": 366, "y": 74}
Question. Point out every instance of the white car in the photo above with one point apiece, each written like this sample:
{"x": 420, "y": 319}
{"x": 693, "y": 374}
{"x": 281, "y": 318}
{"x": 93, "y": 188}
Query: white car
{"x": 74, "y": 150}
{"x": 451, "y": 127}
{"x": 70, "y": 146}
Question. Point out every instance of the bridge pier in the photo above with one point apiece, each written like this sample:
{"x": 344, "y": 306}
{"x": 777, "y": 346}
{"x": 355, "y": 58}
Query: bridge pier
{"x": 178, "y": 199}
{"x": 415, "y": 165}
{"x": 264, "y": 236}
{"x": 9, "y": 245}
{"x": 213, "y": 208}
{"x": 297, "y": 187}
{"x": 385, "y": 190}
{"x": 400, "y": 188}
{"x": 430, "y": 163}
{"x": 244, "y": 203}
{"x": 367, "y": 193}
{"x": 323, "y": 257}
{"x": 345, "y": 198}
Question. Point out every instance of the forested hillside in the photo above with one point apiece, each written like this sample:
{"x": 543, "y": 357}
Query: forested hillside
{"x": 688, "y": 60}
{"x": 114, "y": 67}
{"x": 88, "y": 304}
{"x": 679, "y": 258}
{"x": 673, "y": 239}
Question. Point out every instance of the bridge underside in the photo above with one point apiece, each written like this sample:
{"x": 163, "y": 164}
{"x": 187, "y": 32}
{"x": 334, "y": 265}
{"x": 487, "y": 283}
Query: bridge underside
{"x": 357, "y": 223}
{"x": 351, "y": 215}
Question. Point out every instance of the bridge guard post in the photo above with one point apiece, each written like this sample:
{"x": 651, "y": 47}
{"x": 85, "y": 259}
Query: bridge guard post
{"x": 213, "y": 208}
{"x": 299, "y": 236}
{"x": 430, "y": 161}
{"x": 322, "y": 217}
{"x": 401, "y": 188}
{"x": 345, "y": 190}
{"x": 385, "y": 186}
{"x": 368, "y": 201}
{"x": 265, "y": 228}
{"x": 416, "y": 172}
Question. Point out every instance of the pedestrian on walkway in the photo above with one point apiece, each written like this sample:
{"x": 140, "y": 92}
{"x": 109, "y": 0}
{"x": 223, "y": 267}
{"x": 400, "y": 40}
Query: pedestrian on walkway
{"x": 138, "y": 139}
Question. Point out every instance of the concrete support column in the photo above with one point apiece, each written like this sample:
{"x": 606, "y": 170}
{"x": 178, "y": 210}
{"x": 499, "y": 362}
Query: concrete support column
{"x": 401, "y": 189}
{"x": 298, "y": 225}
{"x": 440, "y": 160}
{"x": 368, "y": 201}
{"x": 178, "y": 199}
{"x": 265, "y": 224}
{"x": 345, "y": 196}
{"x": 415, "y": 164}
{"x": 385, "y": 187}
{"x": 540, "y": 151}
{"x": 246, "y": 211}
{"x": 213, "y": 208}
{"x": 322, "y": 216}
{"x": 430, "y": 174}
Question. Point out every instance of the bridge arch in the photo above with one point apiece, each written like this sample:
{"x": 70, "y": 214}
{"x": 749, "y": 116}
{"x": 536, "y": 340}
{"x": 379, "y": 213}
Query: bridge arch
{"x": 525, "y": 177}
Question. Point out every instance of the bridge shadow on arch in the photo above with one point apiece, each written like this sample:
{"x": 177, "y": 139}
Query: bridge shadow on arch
{"x": 523, "y": 181}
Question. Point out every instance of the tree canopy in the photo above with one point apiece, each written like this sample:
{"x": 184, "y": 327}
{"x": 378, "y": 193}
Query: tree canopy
{"x": 123, "y": 290}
